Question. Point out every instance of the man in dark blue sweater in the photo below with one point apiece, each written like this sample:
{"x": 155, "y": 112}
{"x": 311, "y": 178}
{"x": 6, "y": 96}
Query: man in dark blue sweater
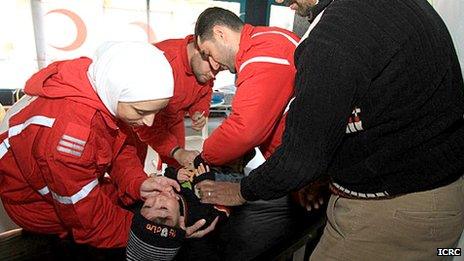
{"x": 379, "y": 109}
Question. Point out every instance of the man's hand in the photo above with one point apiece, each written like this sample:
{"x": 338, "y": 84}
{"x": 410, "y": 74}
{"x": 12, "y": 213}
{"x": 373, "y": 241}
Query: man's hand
{"x": 185, "y": 157}
{"x": 198, "y": 120}
{"x": 312, "y": 195}
{"x": 193, "y": 232}
{"x": 220, "y": 193}
{"x": 153, "y": 186}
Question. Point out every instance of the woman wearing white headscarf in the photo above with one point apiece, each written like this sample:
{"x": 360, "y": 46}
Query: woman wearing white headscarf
{"x": 59, "y": 146}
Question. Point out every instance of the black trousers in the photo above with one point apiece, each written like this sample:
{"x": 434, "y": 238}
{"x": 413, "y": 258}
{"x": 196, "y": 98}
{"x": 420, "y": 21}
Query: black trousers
{"x": 251, "y": 230}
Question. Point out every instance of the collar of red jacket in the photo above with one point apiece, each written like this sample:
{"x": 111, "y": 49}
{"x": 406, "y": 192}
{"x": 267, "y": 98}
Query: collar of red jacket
{"x": 184, "y": 54}
{"x": 245, "y": 43}
{"x": 68, "y": 79}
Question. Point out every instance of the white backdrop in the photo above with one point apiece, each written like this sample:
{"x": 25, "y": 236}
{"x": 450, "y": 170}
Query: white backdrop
{"x": 452, "y": 12}
{"x": 34, "y": 33}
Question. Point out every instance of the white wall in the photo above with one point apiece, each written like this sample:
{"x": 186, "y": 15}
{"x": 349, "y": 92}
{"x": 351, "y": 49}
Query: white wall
{"x": 66, "y": 29}
{"x": 452, "y": 12}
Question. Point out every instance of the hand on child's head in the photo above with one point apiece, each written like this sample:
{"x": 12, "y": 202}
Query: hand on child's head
{"x": 163, "y": 208}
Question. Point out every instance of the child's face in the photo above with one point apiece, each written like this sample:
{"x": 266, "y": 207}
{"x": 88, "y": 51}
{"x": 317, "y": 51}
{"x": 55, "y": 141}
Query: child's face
{"x": 163, "y": 208}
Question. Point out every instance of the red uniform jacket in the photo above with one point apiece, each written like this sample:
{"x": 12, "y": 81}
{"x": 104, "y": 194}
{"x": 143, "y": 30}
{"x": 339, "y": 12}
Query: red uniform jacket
{"x": 54, "y": 156}
{"x": 168, "y": 130}
{"x": 265, "y": 79}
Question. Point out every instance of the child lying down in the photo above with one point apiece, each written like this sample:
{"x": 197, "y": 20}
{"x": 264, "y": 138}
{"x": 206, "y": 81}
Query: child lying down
{"x": 157, "y": 229}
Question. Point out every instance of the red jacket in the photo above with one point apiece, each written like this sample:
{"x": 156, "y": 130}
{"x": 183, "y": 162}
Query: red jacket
{"x": 168, "y": 130}
{"x": 265, "y": 79}
{"x": 55, "y": 154}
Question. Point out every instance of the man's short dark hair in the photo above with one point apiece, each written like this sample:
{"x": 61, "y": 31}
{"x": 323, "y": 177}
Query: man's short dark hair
{"x": 216, "y": 16}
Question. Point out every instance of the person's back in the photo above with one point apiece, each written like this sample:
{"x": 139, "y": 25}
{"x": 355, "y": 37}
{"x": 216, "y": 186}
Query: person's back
{"x": 407, "y": 115}
{"x": 265, "y": 78}
{"x": 270, "y": 42}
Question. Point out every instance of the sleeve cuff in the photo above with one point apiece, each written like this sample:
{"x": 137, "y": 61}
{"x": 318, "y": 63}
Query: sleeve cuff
{"x": 134, "y": 188}
{"x": 246, "y": 190}
{"x": 199, "y": 159}
{"x": 174, "y": 150}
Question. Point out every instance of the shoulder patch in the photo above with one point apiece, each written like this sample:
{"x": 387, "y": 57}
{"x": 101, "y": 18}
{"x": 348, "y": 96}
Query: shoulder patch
{"x": 73, "y": 140}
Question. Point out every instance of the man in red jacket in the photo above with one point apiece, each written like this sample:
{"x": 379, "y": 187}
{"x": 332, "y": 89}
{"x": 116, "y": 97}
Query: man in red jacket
{"x": 193, "y": 82}
{"x": 262, "y": 58}
{"x": 59, "y": 146}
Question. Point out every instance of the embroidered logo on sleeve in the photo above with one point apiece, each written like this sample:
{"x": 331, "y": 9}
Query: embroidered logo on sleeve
{"x": 354, "y": 121}
{"x": 73, "y": 141}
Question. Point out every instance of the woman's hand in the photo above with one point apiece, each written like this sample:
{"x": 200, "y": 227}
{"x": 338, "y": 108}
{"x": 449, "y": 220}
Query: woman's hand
{"x": 153, "y": 186}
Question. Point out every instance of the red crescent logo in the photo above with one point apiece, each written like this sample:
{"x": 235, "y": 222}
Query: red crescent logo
{"x": 80, "y": 27}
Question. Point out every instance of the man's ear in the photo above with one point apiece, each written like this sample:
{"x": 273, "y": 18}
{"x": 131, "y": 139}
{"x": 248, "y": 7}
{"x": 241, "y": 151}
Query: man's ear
{"x": 219, "y": 32}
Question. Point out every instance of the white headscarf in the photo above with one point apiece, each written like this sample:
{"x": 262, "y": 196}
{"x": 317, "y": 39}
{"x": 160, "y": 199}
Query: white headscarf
{"x": 130, "y": 72}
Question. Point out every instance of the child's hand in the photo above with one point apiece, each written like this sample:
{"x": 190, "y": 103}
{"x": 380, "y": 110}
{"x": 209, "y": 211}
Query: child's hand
{"x": 194, "y": 230}
{"x": 184, "y": 175}
{"x": 202, "y": 169}
{"x": 201, "y": 173}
